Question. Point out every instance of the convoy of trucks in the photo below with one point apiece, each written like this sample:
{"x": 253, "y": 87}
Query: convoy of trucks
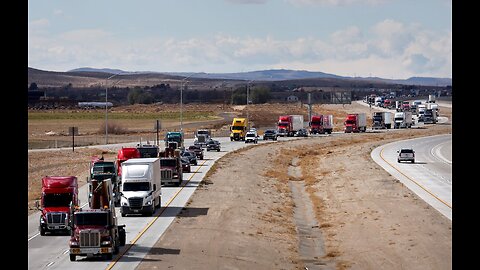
{"x": 238, "y": 129}
{"x": 382, "y": 120}
{"x": 95, "y": 231}
{"x": 101, "y": 170}
{"x": 141, "y": 186}
{"x": 355, "y": 122}
{"x": 59, "y": 193}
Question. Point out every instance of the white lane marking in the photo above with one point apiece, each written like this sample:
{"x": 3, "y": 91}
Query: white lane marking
{"x": 435, "y": 151}
{"x": 50, "y": 264}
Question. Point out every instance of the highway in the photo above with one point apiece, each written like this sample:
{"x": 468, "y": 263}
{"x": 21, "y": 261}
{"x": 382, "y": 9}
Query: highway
{"x": 51, "y": 251}
{"x": 432, "y": 172}
{"x": 430, "y": 177}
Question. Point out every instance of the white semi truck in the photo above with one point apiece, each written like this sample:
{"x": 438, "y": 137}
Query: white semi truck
{"x": 403, "y": 119}
{"x": 382, "y": 120}
{"x": 141, "y": 189}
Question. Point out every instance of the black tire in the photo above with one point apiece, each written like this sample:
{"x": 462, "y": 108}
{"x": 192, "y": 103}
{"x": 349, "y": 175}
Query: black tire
{"x": 122, "y": 237}
{"x": 398, "y": 161}
{"x": 73, "y": 257}
{"x": 109, "y": 256}
{"x": 116, "y": 249}
{"x": 42, "y": 231}
{"x": 413, "y": 161}
{"x": 218, "y": 150}
{"x": 177, "y": 184}
{"x": 123, "y": 214}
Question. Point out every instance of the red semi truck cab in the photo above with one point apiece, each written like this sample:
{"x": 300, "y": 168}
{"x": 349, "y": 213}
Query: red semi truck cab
{"x": 316, "y": 124}
{"x": 58, "y": 192}
{"x": 285, "y": 122}
{"x": 356, "y": 122}
{"x": 124, "y": 154}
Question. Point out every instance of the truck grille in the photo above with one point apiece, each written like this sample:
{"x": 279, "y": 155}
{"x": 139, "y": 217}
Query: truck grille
{"x": 89, "y": 239}
{"x": 135, "y": 202}
{"x": 56, "y": 218}
{"x": 166, "y": 174}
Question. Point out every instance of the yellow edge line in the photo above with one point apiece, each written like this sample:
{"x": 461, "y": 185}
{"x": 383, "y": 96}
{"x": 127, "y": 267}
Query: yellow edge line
{"x": 117, "y": 258}
{"x": 381, "y": 155}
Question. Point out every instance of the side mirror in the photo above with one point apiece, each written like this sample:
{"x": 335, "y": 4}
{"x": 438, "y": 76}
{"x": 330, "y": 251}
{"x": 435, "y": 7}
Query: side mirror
{"x": 398, "y": 151}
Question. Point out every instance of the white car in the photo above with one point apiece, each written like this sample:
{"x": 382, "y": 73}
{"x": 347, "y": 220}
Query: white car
{"x": 406, "y": 154}
{"x": 251, "y": 137}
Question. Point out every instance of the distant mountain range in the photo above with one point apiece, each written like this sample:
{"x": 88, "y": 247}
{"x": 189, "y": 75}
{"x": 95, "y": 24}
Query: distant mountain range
{"x": 278, "y": 75}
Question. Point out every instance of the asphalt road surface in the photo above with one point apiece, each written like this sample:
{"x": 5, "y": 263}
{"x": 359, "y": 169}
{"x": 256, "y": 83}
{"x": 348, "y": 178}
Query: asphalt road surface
{"x": 430, "y": 177}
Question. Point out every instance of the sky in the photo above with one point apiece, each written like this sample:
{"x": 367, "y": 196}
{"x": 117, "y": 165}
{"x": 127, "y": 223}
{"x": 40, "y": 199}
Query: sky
{"x": 392, "y": 39}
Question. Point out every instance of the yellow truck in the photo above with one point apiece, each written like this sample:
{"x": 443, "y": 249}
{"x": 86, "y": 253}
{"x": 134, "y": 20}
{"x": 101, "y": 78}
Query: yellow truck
{"x": 238, "y": 129}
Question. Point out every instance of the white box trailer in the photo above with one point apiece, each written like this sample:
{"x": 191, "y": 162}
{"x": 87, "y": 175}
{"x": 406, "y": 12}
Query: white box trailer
{"x": 297, "y": 122}
{"x": 403, "y": 120}
{"x": 141, "y": 188}
{"x": 382, "y": 120}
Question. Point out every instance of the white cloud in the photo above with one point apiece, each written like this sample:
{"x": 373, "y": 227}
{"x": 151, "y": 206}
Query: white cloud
{"x": 389, "y": 49}
{"x": 58, "y": 12}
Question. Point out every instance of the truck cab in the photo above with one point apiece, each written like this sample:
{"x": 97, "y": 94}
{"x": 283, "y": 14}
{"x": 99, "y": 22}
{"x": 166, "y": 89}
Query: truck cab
{"x": 174, "y": 137}
{"x": 101, "y": 170}
{"x": 58, "y": 194}
{"x": 316, "y": 124}
{"x": 201, "y": 137}
{"x": 95, "y": 231}
{"x": 238, "y": 129}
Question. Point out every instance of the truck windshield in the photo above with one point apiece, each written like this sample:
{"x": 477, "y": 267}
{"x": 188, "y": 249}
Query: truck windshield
{"x": 57, "y": 199}
{"x": 103, "y": 168}
{"x": 350, "y": 122}
{"x": 202, "y": 132}
{"x": 136, "y": 186}
{"x": 377, "y": 118}
{"x": 237, "y": 128}
{"x": 282, "y": 124}
{"x": 168, "y": 162}
{"x": 90, "y": 218}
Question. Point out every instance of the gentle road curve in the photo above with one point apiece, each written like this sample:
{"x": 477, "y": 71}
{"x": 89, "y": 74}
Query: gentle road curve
{"x": 430, "y": 177}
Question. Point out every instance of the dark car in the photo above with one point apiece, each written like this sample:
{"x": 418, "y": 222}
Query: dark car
{"x": 213, "y": 145}
{"x": 198, "y": 150}
{"x": 270, "y": 134}
{"x": 186, "y": 164}
{"x": 302, "y": 133}
{"x": 192, "y": 158}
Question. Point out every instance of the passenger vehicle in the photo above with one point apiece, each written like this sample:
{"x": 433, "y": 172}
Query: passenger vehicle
{"x": 192, "y": 158}
{"x": 213, "y": 145}
{"x": 198, "y": 150}
{"x": 186, "y": 165}
{"x": 406, "y": 154}
{"x": 302, "y": 133}
{"x": 270, "y": 134}
{"x": 251, "y": 137}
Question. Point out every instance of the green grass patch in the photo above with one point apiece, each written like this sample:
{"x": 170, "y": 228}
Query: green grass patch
{"x": 187, "y": 116}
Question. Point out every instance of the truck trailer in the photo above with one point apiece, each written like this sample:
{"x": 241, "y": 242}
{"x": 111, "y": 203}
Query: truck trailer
{"x": 382, "y": 120}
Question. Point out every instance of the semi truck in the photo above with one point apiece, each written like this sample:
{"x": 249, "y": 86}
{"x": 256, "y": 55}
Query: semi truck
{"x": 321, "y": 124}
{"x": 124, "y": 154}
{"x": 101, "y": 170}
{"x": 356, "y": 122}
{"x": 147, "y": 150}
{"x": 174, "y": 139}
{"x": 382, "y": 120}
{"x": 95, "y": 231}
{"x": 431, "y": 99}
{"x": 297, "y": 123}
{"x": 420, "y": 112}
{"x": 430, "y": 116}
{"x": 171, "y": 170}
{"x": 238, "y": 129}
{"x": 141, "y": 186}
{"x": 285, "y": 125}
{"x": 201, "y": 137}
{"x": 403, "y": 120}
{"x": 58, "y": 193}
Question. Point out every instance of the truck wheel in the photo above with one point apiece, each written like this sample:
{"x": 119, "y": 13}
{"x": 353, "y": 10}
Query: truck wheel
{"x": 73, "y": 257}
{"x": 109, "y": 256}
{"x": 123, "y": 214}
{"x": 116, "y": 249}
{"x": 177, "y": 184}
{"x": 122, "y": 237}
{"x": 42, "y": 231}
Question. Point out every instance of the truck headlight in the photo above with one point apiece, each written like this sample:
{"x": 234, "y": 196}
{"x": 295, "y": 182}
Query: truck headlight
{"x": 42, "y": 220}
{"x": 106, "y": 243}
{"x": 149, "y": 203}
{"x": 73, "y": 243}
